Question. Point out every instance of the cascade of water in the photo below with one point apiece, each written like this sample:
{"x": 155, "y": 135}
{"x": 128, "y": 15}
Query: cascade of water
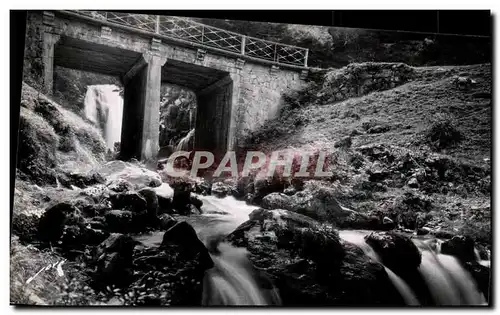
{"x": 185, "y": 143}
{"x": 447, "y": 280}
{"x": 232, "y": 280}
{"x": 358, "y": 238}
{"x": 104, "y": 107}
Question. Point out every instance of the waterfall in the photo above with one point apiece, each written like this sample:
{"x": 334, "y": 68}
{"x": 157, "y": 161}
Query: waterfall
{"x": 446, "y": 279}
{"x": 186, "y": 143}
{"x": 104, "y": 107}
{"x": 232, "y": 281}
{"x": 403, "y": 288}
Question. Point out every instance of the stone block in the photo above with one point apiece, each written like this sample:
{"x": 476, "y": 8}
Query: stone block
{"x": 106, "y": 32}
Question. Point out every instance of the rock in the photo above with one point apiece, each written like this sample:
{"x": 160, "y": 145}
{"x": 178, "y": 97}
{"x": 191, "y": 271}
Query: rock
{"x": 152, "y": 203}
{"x": 423, "y": 230}
{"x": 184, "y": 235}
{"x": 51, "y": 224}
{"x": 397, "y": 251}
{"x": 441, "y": 233}
{"x": 413, "y": 183}
{"x": 77, "y": 236}
{"x": 221, "y": 190}
{"x": 290, "y": 191}
{"x": 318, "y": 202}
{"x": 365, "y": 282}
{"x": 114, "y": 260}
{"x": 181, "y": 197}
{"x": 165, "y": 194}
{"x": 89, "y": 207}
{"x": 195, "y": 201}
{"x": 131, "y": 201}
{"x": 355, "y": 132}
{"x": 120, "y": 185}
{"x": 263, "y": 186}
{"x": 119, "y": 221}
{"x": 203, "y": 187}
{"x": 307, "y": 263}
{"x": 377, "y": 175}
{"x": 387, "y": 220}
{"x": 482, "y": 276}
{"x": 139, "y": 177}
{"x": 345, "y": 142}
{"x": 277, "y": 201}
{"x": 83, "y": 180}
{"x": 166, "y": 221}
{"x": 379, "y": 129}
{"x": 463, "y": 82}
{"x": 461, "y": 247}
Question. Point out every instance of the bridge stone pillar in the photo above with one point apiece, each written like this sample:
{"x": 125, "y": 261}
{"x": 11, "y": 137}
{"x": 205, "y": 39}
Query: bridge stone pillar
{"x": 50, "y": 38}
{"x": 214, "y": 117}
{"x": 140, "y": 124}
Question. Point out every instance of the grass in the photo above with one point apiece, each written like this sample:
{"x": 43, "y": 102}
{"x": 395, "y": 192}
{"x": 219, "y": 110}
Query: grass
{"x": 35, "y": 281}
{"x": 425, "y": 118}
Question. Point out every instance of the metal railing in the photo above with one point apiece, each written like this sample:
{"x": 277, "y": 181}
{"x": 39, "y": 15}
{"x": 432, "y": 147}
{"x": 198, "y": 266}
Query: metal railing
{"x": 189, "y": 30}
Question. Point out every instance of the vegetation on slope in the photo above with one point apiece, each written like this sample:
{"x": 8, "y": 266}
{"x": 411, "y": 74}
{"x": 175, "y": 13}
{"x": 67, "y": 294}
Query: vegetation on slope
{"x": 337, "y": 47}
{"x": 418, "y": 153}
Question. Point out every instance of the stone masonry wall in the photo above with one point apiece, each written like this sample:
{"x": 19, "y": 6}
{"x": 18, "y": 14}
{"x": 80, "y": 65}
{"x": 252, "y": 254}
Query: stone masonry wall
{"x": 360, "y": 79}
{"x": 257, "y": 88}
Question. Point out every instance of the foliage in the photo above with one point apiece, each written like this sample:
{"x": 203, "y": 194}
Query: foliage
{"x": 443, "y": 132}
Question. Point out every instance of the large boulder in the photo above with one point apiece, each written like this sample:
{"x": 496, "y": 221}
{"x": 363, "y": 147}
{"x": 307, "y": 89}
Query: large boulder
{"x": 138, "y": 176}
{"x": 461, "y": 247}
{"x": 301, "y": 256}
{"x": 182, "y": 196}
{"x": 221, "y": 189}
{"x": 120, "y": 221}
{"x": 75, "y": 237}
{"x": 184, "y": 235}
{"x": 113, "y": 261}
{"x": 149, "y": 194}
{"x": 316, "y": 201}
{"x": 365, "y": 282}
{"x": 52, "y": 222}
{"x": 277, "y": 201}
{"x": 131, "y": 201}
{"x": 482, "y": 276}
{"x": 165, "y": 194}
{"x": 81, "y": 179}
{"x": 173, "y": 273}
{"x": 396, "y": 251}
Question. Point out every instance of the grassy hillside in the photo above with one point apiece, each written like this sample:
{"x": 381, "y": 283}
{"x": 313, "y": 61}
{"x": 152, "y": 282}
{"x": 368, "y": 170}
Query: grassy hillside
{"x": 418, "y": 153}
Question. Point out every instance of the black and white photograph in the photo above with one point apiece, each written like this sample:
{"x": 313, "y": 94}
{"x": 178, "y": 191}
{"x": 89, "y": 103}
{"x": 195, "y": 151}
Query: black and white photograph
{"x": 177, "y": 160}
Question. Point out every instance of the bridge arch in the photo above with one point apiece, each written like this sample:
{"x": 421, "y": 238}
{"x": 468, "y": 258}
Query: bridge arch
{"x": 237, "y": 89}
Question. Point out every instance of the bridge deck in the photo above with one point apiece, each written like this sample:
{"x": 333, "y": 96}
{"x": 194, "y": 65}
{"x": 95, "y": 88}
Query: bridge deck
{"x": 210, "y": 37}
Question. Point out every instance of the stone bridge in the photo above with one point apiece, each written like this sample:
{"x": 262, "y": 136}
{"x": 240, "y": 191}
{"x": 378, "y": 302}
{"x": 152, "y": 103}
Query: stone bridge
{"x": 238, "y": 80}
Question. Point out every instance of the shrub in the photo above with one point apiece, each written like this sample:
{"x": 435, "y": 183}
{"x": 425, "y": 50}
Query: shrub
{"x": 443, "y": 133}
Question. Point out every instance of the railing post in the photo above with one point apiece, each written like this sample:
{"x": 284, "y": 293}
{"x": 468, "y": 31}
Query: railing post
{"x": 157, "y": 28}
{"x": 243, "y": 42}
{"x": 305, "y": 57}
{"x": 275, "y": 55}
{"x": 202, "y": 34}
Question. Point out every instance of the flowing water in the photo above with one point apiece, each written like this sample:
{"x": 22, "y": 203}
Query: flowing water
{"x": 185, "y": 143}
{"x": 448, "y": 282}
{"x": 234, "y": 281}
{"x": 104, "y": 107}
